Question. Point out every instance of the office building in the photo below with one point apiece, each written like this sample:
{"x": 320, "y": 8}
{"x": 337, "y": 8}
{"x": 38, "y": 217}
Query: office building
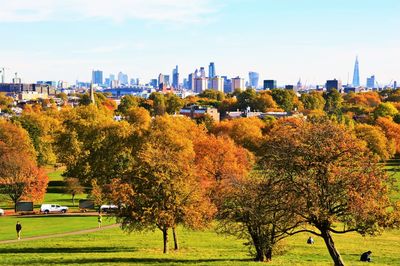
{"x": 211, "y": 70}
{"x": 200, "y": 84}
{"x": 356, "y": 75}
{"x": 175, "y": 77}
{"x": 333, "y": 84}
{"x": 154, "y": 83}
{"x": 167, "y": 80}
{"x": 289, "y": 87}
{"x": 253, "y": 79}
{"x": 123, "y": 79}
{"x": 237, "y": 83}
{"x": 217, "y": 83}
{"x": 190, "y": 83}
{"x": 269, "y": 84}
{"x": 202, "y": 72}
{"x": 371, "y": 82}
{"x": 97, "y": 77}
{"x": 227, "y": 84}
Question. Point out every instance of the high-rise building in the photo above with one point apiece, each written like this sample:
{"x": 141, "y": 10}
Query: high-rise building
{"x": 395, "y": 85}
{"x": 123, "y": 79}
{"x": 160, "y": 79}
{"x": 175, "y": 77}
{"x": 200, "y": 84}
{"x": 371, "y": 82}
{"x": 202, "y": 72}
{"x": 237, "y": 83}
{"x": 253, "y": 79}
{"x": 356, "y": 75}
{"x": 154, "y": 83}
{"x": 167, "y": 80}
{"x": 190, "y": 82}
{"x": 211, "y": 70}
{"x": 269, "y": 84}
{"x": 333, "y": 85}
{"x": 227, "y": 84}
{"x": 97, "y": 77}
{"x": 217, "y": 83}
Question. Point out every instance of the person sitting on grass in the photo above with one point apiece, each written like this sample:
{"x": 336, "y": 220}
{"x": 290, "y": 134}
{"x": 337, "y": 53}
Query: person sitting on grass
{"x": 366, "y": 256}
{"x": 310, "y": 241}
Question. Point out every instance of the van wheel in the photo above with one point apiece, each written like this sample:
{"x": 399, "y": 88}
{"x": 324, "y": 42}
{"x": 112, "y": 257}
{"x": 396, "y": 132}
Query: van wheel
{"x": 46, "y": 212}
{"x": 63, "y": 211}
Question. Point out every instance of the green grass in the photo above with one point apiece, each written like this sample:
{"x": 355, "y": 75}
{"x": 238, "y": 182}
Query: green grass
{"x": 43, "y": 225}
{"x": 113, "y": 247}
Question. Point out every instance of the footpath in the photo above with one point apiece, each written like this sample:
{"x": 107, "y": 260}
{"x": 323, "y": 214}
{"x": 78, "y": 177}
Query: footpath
{"x": 87, "y": 231}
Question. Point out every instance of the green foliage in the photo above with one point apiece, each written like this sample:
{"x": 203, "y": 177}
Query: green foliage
{"x": 284, "y": 98}
{"x": 127, "y": 102}
{"x": 385, "y": 110}
{"x": 313, "y": 101}
{"x": 333, "y": 101}
{"x": 212, "y": 94}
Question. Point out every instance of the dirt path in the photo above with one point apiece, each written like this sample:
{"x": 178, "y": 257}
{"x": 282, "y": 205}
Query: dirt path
{"x": 60, "y": 235}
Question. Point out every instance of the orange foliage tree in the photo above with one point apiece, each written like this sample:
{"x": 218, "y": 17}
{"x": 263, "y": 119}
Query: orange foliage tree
{"x": 333, "y": 178}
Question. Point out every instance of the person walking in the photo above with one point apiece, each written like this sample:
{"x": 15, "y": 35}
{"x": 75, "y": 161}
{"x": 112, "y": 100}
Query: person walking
{"x": 18, "y": 227}
{"x": 99, "y": 220}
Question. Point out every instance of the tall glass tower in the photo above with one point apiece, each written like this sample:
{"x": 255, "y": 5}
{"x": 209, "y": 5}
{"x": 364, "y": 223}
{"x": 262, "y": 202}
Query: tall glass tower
{"x": 211, "y": 70}
{"x": 356, "y": 75}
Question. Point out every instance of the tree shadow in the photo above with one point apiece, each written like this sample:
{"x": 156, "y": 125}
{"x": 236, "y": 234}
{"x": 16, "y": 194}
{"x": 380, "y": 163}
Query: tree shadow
{"x": 114, "y": 261}
{"x": 66, "y": 250}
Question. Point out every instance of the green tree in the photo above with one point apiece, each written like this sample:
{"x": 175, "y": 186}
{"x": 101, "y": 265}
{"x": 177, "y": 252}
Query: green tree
{"x": 173, "y": 103}
{"x": 333, "y": 101}
{"x": 284, "y": 98}
{"x": 313, "y": 101}
{"x": 385, "y": 110}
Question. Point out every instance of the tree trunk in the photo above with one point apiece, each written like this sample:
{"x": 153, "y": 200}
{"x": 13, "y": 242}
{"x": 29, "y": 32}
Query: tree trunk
{"x": 257, "y": 245}
{"x": 268, "y": 254}
{"x": 165, "y": 238}
{"x": 176, "y": 245}
{"x": 337, "y": 259}
{"x": 73, "y": 199}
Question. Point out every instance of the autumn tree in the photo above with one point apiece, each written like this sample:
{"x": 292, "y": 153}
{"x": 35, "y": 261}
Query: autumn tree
{"x": 161, "y": 191}
{"x": 391, "y": 130}
{"x": 20, "y": 179}
{"x": 286, "y": 99}
{"x": 385, "y": 110}
{"x": 333, "y": 177}
{"x": 73, "y": 187}
{"x": 376, "y": 140}
{"x": 127, "y": 102}
{"x": 255, "y": 209}
{"x": 247, "y": 132}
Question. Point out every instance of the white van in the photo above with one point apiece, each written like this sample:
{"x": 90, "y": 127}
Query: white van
{"x": 52, "y": 208}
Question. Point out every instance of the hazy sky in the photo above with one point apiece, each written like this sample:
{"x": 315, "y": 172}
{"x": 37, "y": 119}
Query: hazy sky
{"x": 281, "y": 39}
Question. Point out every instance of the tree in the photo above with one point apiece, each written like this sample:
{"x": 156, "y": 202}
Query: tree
{"x": 385, "y": 110}
{"x": 127, "y": 102}
{"x": 159, "y": 107}
{"x": 333, "y": 101}
{"x": 161, "y": 191}
{"x": 20, "y": 179}
{"x": 313, "y": 101}
{"x": 391, "y": 129}
{"x": 333, "y": 178}
{"x": 212, "y": 94}
{"x": 254, "y": 210}
{"x": 264, "y": 102}
{"x": 173, "y": 103}
{"x": 285, "y": 99}
{"x": 246, "y": 132}
{"x": 73, "y": 187}
{"x": 376, "y": 141}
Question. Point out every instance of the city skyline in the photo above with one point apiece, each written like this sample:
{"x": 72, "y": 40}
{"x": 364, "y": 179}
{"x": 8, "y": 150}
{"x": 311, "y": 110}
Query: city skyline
{"x": 281, "y": 40}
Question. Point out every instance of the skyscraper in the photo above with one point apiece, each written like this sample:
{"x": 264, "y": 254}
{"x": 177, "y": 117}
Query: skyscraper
{"x": 97, "y": 77}
{"x": 356, "y": 75}
{"x": 237, "y": 83}
{"x": 371, "y": 82}
{"x": 253, "y": 79}
{"x": 217, "y": 83}
{"x": 123, "y": 79}
{"x": 175, "y": 77}
{"x": 202, "y": 72}
{"x": 211, "y": 70}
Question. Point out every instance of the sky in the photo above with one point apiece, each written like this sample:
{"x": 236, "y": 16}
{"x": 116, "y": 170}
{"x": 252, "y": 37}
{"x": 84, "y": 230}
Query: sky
{"x": 285, "y": 40}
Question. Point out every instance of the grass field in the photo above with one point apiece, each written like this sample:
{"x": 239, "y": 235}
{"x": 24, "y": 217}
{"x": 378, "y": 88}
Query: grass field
{"x": 113, "y": 247}
{"x": 47, "y": 225}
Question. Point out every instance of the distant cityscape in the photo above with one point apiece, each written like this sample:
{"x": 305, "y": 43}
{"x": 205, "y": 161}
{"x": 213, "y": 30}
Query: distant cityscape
{"x": 195, "y": 82}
